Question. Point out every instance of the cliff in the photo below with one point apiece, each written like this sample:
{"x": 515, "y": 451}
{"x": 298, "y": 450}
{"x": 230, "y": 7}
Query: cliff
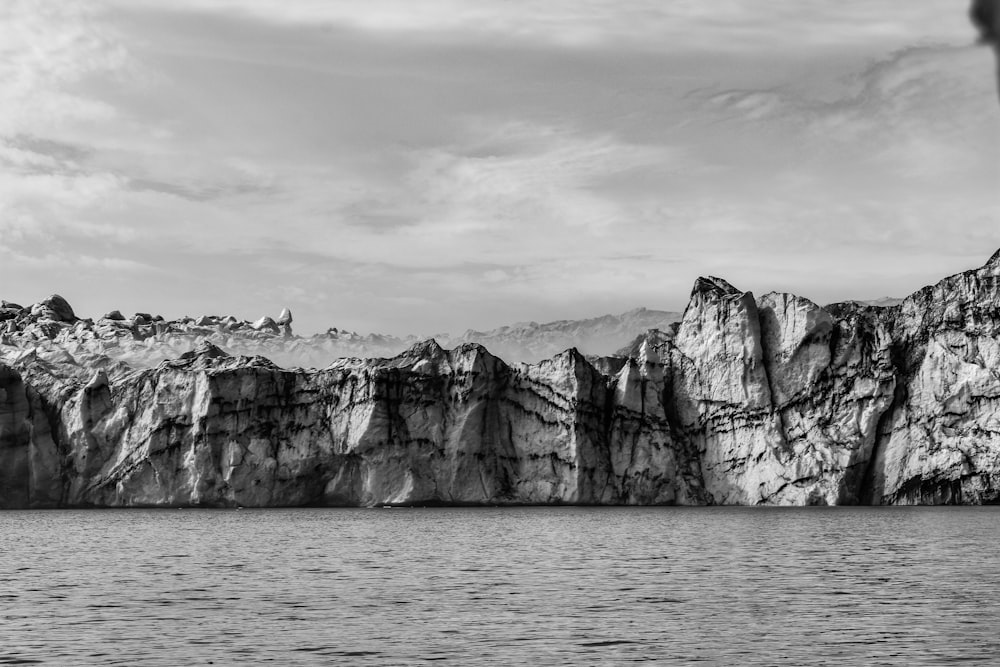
{"x": 769, "y": 400}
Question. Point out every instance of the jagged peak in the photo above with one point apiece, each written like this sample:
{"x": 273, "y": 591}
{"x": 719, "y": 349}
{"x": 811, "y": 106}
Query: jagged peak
{"x": 787, "y": 298}
{"x": 569, "y": 357}
{"x": 207, "y": 356}
{"x": 994, "y": 261}
{"x": 425, "y": 349}
{"x": 474, "y": 356}
{"x": 572, "y": 358}
{"x": 570, "y": 353}
{"x": 465, "y": 347}
{"x": 425, "y": 356}
{"x": 653, "y": 337}
{"x": 471, "y": 348}
{"x": 713, "y": 286}
{"x": 204, "y": 350}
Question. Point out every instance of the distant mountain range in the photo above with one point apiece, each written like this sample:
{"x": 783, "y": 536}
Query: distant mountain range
{"x": 531, "y": 342}
{"x": 884, "y": 302}
{"x": 145, "y": 340}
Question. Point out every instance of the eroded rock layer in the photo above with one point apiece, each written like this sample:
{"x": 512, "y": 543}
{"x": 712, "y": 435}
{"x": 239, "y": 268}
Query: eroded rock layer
{"x": 769, "y": 400}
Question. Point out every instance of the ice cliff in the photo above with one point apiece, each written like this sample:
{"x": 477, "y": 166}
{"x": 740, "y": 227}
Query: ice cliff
{"x": 747, "y": 400}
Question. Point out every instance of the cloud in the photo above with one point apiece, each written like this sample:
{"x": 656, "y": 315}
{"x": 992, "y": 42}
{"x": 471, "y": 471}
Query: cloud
{"x": 915, "y": 115}
{"x": 71, "y": 262}
{"x": 46, "y": 46}
{"x": 400, "y": 166}
{"x": 529, "y": 181}
{"x": 48, "y": 53}
{"x": 719, "y": 26}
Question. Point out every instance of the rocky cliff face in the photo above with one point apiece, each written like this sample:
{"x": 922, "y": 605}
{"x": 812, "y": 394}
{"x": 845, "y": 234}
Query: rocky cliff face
{"x": 769, "y": 400}
{"x": 941, "y": 440}
{"x": 429, "y": 426}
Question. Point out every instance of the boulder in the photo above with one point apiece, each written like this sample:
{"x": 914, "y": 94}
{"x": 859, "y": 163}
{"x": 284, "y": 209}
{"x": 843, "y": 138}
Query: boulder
{"x": 265, "y": 324}
{"x": 58, "y": 305}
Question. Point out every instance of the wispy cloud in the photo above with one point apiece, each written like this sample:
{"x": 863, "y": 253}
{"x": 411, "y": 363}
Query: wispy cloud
{"x": 919, "y": 111}
{"x": 46, "y": 48}
{"x": 721, "y": 25}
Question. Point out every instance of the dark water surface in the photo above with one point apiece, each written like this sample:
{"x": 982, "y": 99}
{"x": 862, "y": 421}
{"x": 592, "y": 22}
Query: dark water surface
{"x": 907, "y": 586}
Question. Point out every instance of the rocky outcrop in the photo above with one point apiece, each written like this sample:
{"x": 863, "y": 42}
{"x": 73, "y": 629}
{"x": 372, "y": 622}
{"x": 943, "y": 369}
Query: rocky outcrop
{"x": 781, "y": 398}
{"x": 747, "y": 400}
{"x": 941, "y": 441}
{"x": 429, "y": 426}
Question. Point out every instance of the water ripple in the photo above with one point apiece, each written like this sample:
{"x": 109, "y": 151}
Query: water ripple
{"x": 907, "y": 586}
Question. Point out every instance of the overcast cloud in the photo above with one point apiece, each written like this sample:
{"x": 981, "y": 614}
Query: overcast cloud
{"x": 413, "y": 167}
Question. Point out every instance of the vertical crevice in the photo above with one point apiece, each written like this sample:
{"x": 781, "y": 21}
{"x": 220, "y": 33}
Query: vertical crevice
{"x": 883, "y": 431}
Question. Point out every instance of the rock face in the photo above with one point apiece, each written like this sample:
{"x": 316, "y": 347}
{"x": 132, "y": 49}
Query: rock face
{"x": 430, "y": 426}
{"x": 781, "y": 398}
{"x": 769, "y": 400}
{"x": 941, "y": 441}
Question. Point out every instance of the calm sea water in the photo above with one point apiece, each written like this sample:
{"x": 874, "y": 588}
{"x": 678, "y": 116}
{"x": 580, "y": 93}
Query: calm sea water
{"x": 501, "y": 586}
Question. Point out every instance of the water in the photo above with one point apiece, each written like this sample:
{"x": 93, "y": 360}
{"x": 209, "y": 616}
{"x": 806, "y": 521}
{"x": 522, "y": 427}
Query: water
{"x": 501, "y": 586}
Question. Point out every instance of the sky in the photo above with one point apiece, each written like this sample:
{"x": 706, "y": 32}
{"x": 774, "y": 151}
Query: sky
{"x": 417, "y": 167}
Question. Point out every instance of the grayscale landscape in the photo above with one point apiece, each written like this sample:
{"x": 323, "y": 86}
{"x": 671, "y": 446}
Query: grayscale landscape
{"x": 482, "y": 332}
